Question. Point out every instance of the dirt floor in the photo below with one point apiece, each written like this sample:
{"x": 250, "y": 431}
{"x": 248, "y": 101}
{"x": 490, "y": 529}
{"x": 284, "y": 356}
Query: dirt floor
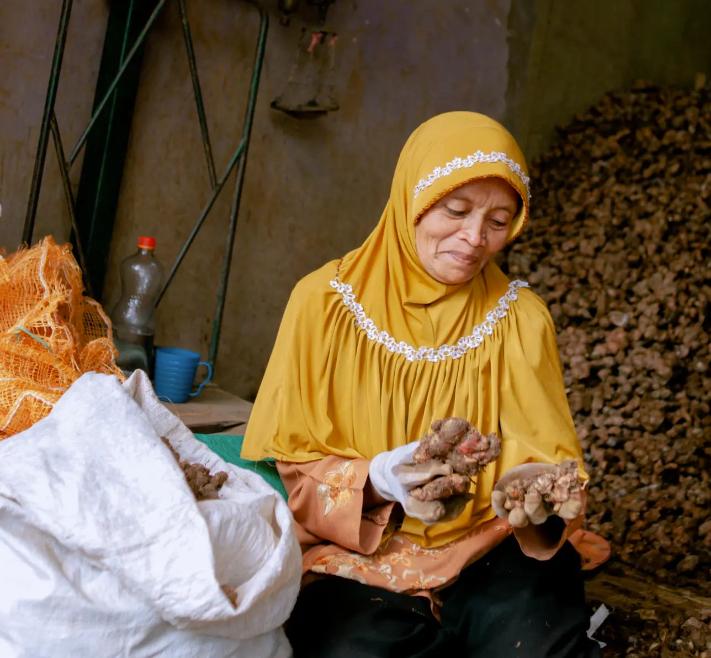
{"x": 648, "y": 619}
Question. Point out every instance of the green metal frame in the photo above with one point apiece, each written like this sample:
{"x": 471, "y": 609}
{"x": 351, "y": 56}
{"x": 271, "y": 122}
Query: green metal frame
{"x": 50, "y": 125}
{"x": 106, "y": 144}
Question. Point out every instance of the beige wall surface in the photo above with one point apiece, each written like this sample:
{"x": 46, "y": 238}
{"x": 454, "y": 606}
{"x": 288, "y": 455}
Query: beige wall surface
{"x": 28, "y": 31}
{"x": 313, "y": 189}
{"x": 580, "y": 50}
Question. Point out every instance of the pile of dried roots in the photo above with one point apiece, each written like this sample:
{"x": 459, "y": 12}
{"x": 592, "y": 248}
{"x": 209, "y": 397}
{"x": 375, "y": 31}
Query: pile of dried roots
{"x": 618, "y": 246}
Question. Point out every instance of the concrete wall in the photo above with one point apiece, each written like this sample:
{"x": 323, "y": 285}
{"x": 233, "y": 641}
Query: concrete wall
{"x": 313, "y": 189}
{"x": 28, "y": 31}
{"x": 581, "y": 49}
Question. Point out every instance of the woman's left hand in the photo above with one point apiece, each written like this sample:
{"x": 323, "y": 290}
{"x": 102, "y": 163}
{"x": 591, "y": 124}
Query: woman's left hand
{"x": 530, "y": 493}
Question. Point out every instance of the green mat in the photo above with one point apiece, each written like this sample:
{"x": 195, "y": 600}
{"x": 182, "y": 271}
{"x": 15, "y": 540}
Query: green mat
{"x": 229, "y": 447}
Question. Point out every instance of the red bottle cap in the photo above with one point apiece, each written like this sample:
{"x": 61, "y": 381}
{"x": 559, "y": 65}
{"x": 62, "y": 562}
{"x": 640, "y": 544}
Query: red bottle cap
{"x": 145, "y": 242}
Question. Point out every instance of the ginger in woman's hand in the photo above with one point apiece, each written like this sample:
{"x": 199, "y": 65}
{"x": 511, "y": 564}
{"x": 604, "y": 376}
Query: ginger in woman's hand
{"x": 431, "y": 477}
{"x": 474, "y": 452}
{"x": 441, "y": 440}
{"x": 457, "y": 443}
{"x": 554, "y": 491}
{"x": 442, "y": 487}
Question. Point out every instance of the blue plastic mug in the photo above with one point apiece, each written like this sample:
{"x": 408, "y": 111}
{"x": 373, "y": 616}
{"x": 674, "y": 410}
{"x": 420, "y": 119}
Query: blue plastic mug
{"x": 175, "y": 372}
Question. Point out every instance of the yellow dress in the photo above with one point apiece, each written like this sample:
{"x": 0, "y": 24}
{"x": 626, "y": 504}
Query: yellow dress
{"x": 372, "y": 349}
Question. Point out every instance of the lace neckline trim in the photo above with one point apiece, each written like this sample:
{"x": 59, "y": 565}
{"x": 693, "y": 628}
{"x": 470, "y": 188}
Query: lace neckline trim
{"x": 432, "y": 354}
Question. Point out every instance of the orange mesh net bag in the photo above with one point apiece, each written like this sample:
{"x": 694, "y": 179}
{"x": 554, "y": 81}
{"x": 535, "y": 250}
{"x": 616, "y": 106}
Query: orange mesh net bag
{"x": 50, "y": 333}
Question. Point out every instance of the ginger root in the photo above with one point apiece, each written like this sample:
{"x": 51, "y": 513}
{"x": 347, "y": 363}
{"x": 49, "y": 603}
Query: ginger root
{"x": 203, "y": 485}
{"x": 442, "y": 487}
{"x": 558, "y": 490}
{"x": 474, "y": 452}
{"x": 231, "y": 594}
{"x": 438, "y": 443}
{"x": 456, "y": 442}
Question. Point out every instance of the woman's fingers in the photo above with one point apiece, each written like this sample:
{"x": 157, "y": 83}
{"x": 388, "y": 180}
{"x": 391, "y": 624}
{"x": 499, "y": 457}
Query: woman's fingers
{"x": 498, "y": 499}
{"x": 429, "y": 512}
{"x": 534, "y": 508}
{"x": 571, "y": 509}
{"x": 436, "y": 511}
{"x": 416, "y": 475}
{"x": 518, "y": 518}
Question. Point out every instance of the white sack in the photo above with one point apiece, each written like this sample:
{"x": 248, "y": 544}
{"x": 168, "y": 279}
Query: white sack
{"x": 104, "y": 551}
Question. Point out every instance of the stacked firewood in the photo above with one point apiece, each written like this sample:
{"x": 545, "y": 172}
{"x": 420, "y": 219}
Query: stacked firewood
{"x": 619, "y": 246}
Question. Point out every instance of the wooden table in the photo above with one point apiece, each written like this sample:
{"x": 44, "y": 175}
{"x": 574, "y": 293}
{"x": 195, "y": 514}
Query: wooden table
{"x": 214, "y": 411}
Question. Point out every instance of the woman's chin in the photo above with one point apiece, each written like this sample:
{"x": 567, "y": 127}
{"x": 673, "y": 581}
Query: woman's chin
{"x": 453, "y": 276}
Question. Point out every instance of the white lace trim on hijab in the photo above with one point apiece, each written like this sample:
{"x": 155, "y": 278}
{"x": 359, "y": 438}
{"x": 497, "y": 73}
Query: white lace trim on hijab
{"x": 470, "y": 161}
{"x": 463, "y": 345}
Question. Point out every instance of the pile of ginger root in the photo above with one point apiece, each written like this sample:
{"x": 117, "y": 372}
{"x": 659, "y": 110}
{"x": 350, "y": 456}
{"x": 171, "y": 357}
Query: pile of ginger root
{"x": 204, "y": 486}
{"x": 202, "y": 483}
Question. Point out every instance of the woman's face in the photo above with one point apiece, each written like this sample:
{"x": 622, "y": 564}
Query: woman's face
{"x": 456, "y": 236}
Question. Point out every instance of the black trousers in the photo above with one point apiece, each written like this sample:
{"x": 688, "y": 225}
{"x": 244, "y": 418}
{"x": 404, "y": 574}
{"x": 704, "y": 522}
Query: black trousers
{"x": 505, "y": 605}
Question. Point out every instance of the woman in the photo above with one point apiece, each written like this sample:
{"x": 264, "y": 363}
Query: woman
{"x": 419, "y": 324}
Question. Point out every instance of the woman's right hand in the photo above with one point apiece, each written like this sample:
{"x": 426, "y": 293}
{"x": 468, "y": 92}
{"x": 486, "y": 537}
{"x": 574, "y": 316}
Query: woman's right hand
{"x": 393, "y": 475}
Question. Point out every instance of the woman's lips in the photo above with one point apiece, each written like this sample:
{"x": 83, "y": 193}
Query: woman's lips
{"x": 465, "y": 259}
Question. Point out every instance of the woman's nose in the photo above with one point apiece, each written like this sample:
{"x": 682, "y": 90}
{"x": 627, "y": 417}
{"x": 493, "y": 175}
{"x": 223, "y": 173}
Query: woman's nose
{"x": 473, "y": 232}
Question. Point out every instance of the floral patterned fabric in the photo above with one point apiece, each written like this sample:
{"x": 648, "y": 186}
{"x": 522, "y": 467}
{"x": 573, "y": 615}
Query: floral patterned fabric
{"x": 335, "y": 490}
{"x": 342, "y": 536}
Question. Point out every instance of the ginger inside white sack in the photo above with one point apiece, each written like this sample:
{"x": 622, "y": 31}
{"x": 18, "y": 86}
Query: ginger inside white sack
{"x": 105, "y": 551}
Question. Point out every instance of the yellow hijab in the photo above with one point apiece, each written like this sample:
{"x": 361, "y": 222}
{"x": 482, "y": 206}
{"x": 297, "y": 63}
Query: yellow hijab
{"x": 372, "y": 349}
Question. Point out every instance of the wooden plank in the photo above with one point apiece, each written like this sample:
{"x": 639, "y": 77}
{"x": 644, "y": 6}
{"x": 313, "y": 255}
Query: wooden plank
{"x": 632, "y": 592}
{"x": 214, "y": 411}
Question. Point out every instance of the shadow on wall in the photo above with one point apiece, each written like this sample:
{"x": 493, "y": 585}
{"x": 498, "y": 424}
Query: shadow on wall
{"x": 581, "y": 50}
{"x": 313, "y": 189}
{"x": 27, "y": 36}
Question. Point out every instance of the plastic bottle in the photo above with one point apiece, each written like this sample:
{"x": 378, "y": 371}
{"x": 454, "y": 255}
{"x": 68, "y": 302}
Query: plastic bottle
{"x": 134, "y": 316}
